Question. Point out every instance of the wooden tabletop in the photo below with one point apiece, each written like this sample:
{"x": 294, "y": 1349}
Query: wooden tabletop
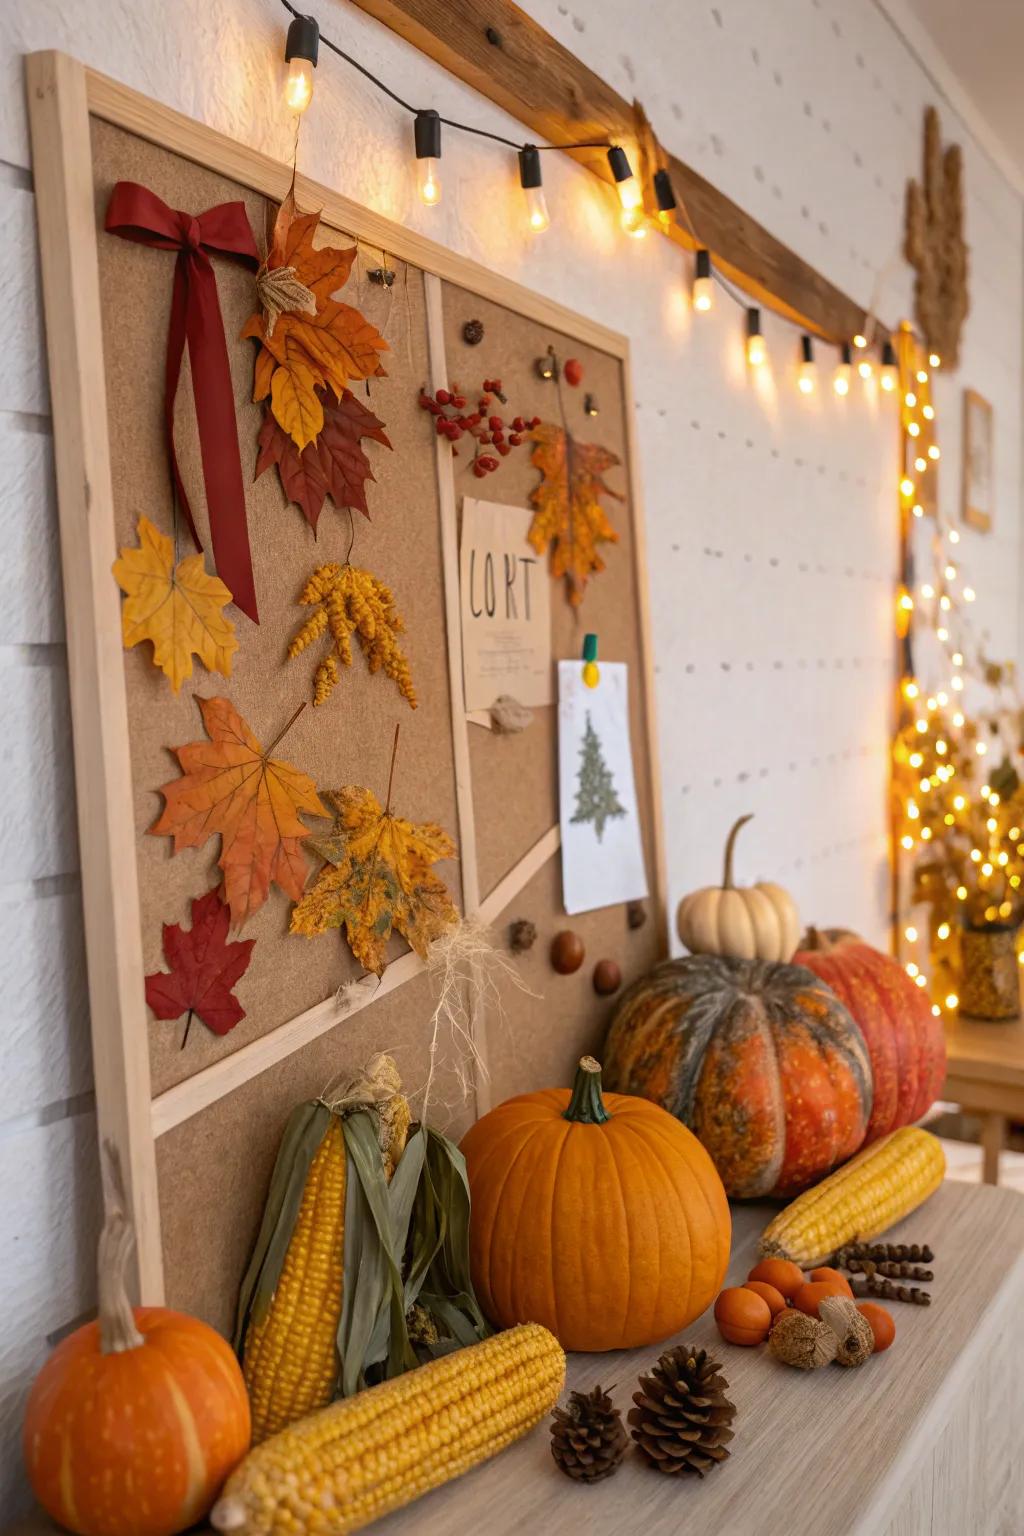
{"x": 826, "y": 1453}
{"x": 982, "y": 1051}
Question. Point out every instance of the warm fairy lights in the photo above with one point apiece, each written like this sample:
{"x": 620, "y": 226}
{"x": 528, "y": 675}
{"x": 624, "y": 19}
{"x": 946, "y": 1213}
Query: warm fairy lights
{"x": 958, "y": 802}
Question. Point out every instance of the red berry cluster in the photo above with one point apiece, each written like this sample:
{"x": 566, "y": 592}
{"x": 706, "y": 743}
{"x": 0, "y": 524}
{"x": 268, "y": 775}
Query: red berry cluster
{"x": 449, "y": 409}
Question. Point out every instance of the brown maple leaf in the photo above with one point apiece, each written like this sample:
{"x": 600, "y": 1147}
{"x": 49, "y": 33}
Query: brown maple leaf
{"x": 568, "y": 514}
{"x": 230, "y": 785}
{"x": 334, "y": 465}
{"x": 377, "y": 878}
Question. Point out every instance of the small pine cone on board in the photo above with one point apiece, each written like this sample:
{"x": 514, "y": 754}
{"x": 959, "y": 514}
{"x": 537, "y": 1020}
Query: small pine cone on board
{"x": 588, "y": 1439}
{"x": 681, "y": 1422}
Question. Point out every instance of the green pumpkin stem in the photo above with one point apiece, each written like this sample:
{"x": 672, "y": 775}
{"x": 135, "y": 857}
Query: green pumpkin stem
{"x": 730, "y": 843}
{"x": 586, "y": 1107}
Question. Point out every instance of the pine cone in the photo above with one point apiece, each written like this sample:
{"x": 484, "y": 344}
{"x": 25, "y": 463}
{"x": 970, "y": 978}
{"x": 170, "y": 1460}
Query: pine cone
{"x": 473, "y": 333}
{"x": 587, "y": 1437}
{"x": 682, "y": 1415}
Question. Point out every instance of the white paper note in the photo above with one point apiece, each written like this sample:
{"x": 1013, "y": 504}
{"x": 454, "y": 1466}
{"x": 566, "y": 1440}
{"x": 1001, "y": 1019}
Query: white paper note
{"x": 506, "y": 608}
{"x": 602, "y": 851}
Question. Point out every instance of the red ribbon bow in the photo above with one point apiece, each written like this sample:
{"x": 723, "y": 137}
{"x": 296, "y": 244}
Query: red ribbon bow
{"x": 137, "y": 214}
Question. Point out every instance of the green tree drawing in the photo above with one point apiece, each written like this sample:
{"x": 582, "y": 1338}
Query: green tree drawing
{"x": 596, "y": 799}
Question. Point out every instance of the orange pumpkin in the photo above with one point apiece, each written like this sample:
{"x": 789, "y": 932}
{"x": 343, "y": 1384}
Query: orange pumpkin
{"x": 599, "y": 1216}
{"x": 905, "y": 1040}
{"x": 135, "y": 1421}
{"x": 761, "y": 1061}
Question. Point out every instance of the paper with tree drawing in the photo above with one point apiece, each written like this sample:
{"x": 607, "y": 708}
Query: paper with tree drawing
{"x": 506, "y": 608}
{"x": 602, "y": 851}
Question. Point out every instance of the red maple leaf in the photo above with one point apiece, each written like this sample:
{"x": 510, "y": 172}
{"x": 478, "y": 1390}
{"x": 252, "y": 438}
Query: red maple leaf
{"x": 204, "y": 968}
{"x": 334, "y": 464}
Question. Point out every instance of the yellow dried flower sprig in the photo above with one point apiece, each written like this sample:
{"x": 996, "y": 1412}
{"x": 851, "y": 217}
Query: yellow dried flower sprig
{"x": 350, "y": 602}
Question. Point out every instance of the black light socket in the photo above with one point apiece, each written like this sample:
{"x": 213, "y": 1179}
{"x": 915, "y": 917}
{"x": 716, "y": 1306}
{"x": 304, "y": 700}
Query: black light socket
{"x": 888, "y": 355}
{"x": 753, "y": 321}
{"x": 427, "y": 132}
{"x": 806, "y": 350}
{"x": 303, "y": 40}
{"x": 703, "y": 264}
{"x": 529, "y": 167}
{"x": 846, "y": 354}
{"x": 618, "y": 163}
{"x": 664, "y": 195}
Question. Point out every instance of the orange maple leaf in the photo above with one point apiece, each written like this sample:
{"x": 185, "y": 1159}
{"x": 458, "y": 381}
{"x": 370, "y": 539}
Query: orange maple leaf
{"x": 568, "y": 514}
{"x": 323, "y": 270}
{"x": 230, "y": 785}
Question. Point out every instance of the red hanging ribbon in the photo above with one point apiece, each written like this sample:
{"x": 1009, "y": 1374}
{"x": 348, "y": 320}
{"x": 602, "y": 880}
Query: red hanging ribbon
{"x": 137, "y": 214}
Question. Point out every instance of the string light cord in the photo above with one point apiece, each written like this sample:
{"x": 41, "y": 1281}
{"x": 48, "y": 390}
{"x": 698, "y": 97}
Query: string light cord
{"x": 448, "y": 122}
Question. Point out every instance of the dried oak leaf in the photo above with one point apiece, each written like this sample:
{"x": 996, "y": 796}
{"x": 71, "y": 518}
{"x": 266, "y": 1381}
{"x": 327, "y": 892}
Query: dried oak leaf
{"x": 204, "y": 967}
{"x": 377, "y": 878}
{"x": 346, "y": 602}
{"x": 568, "y": 514}
{"x": 230, "y": 785}
{"x": 334, "y": 465}
{"x": 177, "y": 608}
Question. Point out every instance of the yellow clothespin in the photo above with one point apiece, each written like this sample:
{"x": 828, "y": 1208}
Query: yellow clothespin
{"x": 591, "y": 671}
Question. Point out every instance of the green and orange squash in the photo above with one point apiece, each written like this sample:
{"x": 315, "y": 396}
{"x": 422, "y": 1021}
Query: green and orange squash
{"x": 904, "y": 1038}
{"x": 761, "y": 1061}
{"x": 598, "y": 1215}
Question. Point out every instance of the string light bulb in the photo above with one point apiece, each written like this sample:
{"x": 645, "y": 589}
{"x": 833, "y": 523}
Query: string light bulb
{"x": 703, "y": 283}
{"x": 427, "y": 135}
{"x": 757, "y": 352}
{"x": 865, "y": 368}
{"x": 665, "y": 198}
{"x": 887, "y": 376}
{"x": 630, "y": 195}
{"x": 860, "y": 341}
{"x": 301, "y": 49}
{"x": 531, "y": 181}
{"x": 841, "y": 377}
{"x": 934, "y": 360}
{"x": 806, "y": 371}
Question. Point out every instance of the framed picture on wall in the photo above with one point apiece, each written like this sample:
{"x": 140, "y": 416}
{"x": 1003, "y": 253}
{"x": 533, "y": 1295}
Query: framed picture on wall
{"x": 978, "y": 476}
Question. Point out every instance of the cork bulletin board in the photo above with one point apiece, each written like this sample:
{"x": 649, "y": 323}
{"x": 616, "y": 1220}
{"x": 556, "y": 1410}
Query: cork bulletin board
{"x": 198, "y": 1127}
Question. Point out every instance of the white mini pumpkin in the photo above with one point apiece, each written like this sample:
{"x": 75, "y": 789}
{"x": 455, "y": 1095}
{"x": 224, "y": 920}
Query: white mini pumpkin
{"x": 756, "y": 922}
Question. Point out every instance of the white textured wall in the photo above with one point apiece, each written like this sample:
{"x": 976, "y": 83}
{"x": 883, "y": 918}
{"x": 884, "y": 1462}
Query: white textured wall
{"x": 770, "y": 518}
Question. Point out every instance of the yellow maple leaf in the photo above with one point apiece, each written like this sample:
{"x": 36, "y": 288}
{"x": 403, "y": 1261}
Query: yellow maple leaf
{"x": 376, "y": 878}
{"x": 568, "y": 514}
{"x": 177, "y": 608}
{"x": 295, "y": 403}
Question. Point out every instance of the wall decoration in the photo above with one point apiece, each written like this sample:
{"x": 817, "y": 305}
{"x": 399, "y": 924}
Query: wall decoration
{"x": 506, "y": 609}
{"x": 602, "y": 855}
{"x": 305, "y": 358}
{"x": 199, "y": 1126}
{"x": 204, "y": 966}
{"x": 567, "y": 952}
{"x": 335, "y": 464}
{"x": 454, "y": 420}
{"x": 233, "y": 787}
{"x": 977, "y": 458}
{"x": 134, "y": 213}
{"x": 377, "y": 877}
{"x": 348, "y": 602}
{"x": 934, "y": 244}
{"x": 177, "y": 608}
{"x": 569, "y": 518}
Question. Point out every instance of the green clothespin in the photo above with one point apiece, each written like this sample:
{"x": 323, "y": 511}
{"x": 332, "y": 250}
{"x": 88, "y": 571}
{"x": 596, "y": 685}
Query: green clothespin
{"x": 591, "y": 671}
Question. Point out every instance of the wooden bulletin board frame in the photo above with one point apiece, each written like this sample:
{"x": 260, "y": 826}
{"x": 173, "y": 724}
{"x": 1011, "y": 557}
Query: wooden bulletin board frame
{"x": 63, "y": 96}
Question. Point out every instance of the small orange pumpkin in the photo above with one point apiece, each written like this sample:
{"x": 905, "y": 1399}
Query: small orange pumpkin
{"x": 835, "y": 1276}
{"x": 810, "y": 1296}
{"x": 882, "y": 1324}
{"x": 783, "y": 1274}
{"x": 775, "y": 1299}
{"x": 601, "y": 1217}
{"x": 135, "y": 1420}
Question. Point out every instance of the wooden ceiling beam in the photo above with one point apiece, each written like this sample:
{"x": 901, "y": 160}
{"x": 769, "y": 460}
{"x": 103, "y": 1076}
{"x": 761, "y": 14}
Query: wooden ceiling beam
{"x": 504, "y": 54}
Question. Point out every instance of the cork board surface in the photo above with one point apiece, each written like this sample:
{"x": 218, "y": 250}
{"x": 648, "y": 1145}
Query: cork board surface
{"x": 515, "y": 778}
{"x": 214, "y": 1168}
{"x": 348, "y": 739}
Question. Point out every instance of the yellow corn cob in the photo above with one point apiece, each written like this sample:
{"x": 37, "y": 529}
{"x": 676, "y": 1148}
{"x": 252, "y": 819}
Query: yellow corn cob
{"x": 858, "y": 1202}
{"x": 291, "y": 1355}
{"x": 365, "y": 1455}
